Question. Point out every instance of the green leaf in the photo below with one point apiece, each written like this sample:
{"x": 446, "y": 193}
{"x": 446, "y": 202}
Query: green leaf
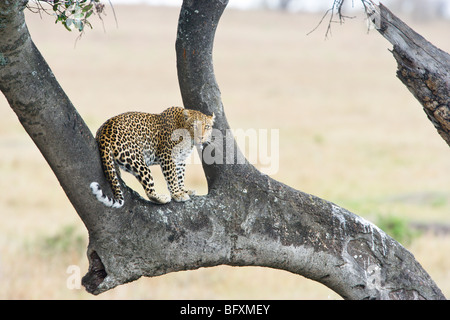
{"x": 89, "y": 14}
{"x": 65, "y": 25}
{"x": 87, "y": 8}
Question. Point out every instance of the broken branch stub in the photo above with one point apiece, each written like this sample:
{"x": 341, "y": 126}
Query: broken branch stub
{"x": 422, "y": 67}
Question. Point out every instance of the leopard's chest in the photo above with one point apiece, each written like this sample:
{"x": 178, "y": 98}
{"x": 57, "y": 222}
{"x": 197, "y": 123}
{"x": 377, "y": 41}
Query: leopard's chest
{"x": 160, "y": 149}
{"x": 181, "y": 153}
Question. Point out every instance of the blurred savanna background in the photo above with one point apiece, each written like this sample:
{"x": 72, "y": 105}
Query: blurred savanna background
{"x": 349, "y": 132}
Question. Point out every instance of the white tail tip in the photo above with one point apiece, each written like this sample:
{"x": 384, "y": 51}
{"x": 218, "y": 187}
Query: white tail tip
{"x": 107, "y": 201}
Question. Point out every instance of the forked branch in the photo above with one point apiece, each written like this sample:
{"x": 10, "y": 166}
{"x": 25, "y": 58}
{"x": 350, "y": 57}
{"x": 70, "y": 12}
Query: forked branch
{"x": 247, "y": 218}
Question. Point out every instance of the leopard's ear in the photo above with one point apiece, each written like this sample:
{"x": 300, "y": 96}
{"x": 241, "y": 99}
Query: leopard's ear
{"x": 187, "y": 114}
{"x": 213, "y": 117}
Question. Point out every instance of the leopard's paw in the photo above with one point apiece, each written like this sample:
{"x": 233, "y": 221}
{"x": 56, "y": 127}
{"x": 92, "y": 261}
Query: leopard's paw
{"x": 181, "y": 196}
{"x": 159, "y": 198}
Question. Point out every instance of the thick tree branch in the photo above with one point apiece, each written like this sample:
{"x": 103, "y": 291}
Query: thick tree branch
{"x": 44, "y": 110}
{"x": 423, "y": 68}
{"x": 247, "y": 219}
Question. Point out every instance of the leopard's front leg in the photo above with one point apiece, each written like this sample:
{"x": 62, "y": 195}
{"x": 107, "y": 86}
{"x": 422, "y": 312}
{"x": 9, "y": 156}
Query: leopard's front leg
{"x": 142, "y": 172}
{"x": 173, "y": 176}
{"x": 181, "y": 171}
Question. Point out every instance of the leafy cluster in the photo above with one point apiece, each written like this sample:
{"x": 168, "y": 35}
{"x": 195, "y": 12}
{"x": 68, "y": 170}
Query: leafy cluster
{"x": 73, "y": 14}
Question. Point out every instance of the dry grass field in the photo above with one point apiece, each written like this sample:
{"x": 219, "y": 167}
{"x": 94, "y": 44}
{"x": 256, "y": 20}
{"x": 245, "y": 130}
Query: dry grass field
{"x": 350, "y": 132}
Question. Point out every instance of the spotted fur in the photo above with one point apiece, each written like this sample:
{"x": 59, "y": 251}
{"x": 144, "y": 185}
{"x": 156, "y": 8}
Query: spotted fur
{"x": 136, "y": 140}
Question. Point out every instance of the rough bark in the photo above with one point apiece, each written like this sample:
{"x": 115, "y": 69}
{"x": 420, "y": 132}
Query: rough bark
{"x": 247, "y": 218}
{"x": 423, "y": 68}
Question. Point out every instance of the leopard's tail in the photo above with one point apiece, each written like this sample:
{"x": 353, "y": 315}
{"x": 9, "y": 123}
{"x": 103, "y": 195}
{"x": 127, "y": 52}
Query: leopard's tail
{"x": 103, "y": 198}
{"x": 111, "y": 175}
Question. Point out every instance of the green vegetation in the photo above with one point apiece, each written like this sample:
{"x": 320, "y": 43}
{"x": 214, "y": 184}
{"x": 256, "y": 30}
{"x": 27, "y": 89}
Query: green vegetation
{"x": 67, "y": 239}
{"x": 398, "y": 228}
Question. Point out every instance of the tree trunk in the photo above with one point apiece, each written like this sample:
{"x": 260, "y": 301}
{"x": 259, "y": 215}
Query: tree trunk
{"x": 247, "y": 218}
{"x": 423, "y": 68}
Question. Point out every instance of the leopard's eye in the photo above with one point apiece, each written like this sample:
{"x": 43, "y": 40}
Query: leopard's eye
{"x": 207, "y": 127}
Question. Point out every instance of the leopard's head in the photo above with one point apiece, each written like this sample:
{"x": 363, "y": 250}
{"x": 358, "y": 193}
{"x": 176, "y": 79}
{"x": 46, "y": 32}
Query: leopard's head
{"x": 199, "y": 126}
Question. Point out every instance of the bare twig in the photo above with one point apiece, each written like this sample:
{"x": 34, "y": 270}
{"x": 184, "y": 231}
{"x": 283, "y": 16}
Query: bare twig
{"x": 335, "y": 9}
{"x": 114, "y": 13}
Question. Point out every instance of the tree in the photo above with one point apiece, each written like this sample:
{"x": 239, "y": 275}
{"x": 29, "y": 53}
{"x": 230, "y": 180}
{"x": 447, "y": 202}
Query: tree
{"x": 247, "y": 218}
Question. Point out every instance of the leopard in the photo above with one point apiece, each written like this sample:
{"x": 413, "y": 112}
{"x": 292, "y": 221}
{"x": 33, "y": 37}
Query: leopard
{"x": 133, "y": 141}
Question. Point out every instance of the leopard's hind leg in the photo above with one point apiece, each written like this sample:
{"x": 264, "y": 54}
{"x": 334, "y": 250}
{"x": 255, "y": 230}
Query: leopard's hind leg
{"x": 142, "y": 172}
{"x": 112, "y": 176}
